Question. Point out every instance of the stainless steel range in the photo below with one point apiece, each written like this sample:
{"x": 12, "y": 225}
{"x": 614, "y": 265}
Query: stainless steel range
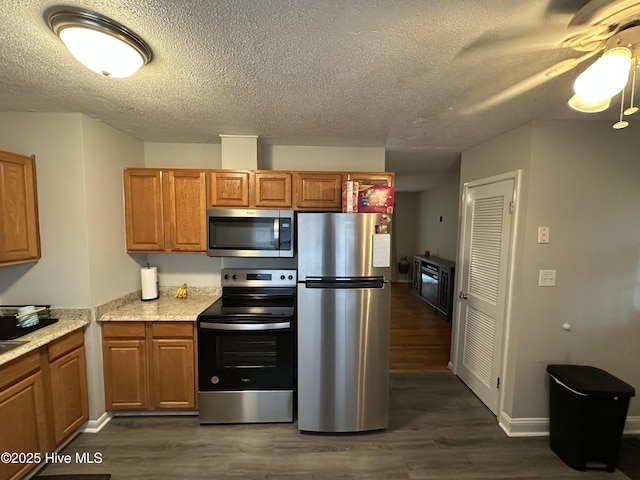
{"x": 246, "y": 349}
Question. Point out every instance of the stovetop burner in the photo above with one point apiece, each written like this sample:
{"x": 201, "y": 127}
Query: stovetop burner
{"x": 250, "y": 293}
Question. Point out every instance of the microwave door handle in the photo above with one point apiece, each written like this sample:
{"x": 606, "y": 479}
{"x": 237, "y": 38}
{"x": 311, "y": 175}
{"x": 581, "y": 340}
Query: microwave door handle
{"x": 276, "y": 234}
{"x": 246, "y": 326}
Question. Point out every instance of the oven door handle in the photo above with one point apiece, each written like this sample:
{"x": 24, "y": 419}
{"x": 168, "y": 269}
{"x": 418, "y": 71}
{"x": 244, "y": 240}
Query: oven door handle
{"x": 246, "y": 326}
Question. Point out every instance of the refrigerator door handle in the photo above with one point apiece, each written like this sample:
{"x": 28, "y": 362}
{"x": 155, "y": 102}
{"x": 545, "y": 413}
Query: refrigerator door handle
{"x": 340, "y": 283}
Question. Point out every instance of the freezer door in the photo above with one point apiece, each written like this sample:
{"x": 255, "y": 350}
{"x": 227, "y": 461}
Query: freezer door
{"x": 340, "y": 245}
{"x": 343, "y": 359}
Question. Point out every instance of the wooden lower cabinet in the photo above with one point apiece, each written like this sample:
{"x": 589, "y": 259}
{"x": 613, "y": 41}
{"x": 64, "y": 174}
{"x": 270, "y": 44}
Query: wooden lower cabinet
{"x": 149, "y": 365}
{"x": 23, "y": 407}
{"x": 43, "y": 400}
{"x": 68, "y": 374}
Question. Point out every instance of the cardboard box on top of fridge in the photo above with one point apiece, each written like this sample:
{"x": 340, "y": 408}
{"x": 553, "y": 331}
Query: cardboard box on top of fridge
{"x": 375, "y": 199}
{"x": 350, "y": 196}
{"x": 363, "y": 198}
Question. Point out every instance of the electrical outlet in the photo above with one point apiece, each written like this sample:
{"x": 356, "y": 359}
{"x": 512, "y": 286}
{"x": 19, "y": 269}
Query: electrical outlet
{"x": 543, "y": 234}
{"x": 547, "y": 278}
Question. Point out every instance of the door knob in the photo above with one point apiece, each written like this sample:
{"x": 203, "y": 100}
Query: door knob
{"x": 463, "y": 296}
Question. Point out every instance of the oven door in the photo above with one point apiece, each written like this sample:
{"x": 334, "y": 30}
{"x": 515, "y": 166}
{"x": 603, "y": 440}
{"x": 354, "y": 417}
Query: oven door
{"x": 239, "y": 355}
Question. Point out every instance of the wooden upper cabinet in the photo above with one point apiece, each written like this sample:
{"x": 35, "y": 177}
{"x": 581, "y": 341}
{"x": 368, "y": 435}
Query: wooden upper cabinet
{"x": 371, "y": 178}
{"x": 19, "y": 230}
{"x": 229, "y": 188}
{"x": 318, "y": 191}
{"x": 272, "y": 189}
{"x": 143, "y": 209}
{"x": 185, "y": 207}
{"x": 165, "y": 210}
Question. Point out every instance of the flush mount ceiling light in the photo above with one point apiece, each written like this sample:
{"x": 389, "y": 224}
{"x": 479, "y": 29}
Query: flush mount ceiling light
{"x": 610, "y": 75}
{"x": 99, "y": 43}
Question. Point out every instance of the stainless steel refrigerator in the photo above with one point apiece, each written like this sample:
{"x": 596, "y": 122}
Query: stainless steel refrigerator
{"x": 343, "y": 307}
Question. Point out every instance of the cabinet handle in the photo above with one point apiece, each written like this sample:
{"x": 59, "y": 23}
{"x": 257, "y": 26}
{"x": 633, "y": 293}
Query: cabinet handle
{"x": 463, "y": 296}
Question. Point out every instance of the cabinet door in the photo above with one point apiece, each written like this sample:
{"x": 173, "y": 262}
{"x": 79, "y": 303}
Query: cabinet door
{"x": 19, "y": 232}
{"x": 143, "y": 209}
{"x": 23, "y": 419}
{"x": 125, "y": 374}
{"x": 272, "y": 189}
{"x": 228, "y": 188}
{"x": 185, "y": 194}
{"x": 69, "y": 393}
{"x": 172, "y": 374}
{"x": 318, "y": 191}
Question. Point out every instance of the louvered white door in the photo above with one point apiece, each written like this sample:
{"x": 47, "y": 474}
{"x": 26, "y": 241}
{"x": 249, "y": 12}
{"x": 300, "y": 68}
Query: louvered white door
{"x": 481, "y": 302}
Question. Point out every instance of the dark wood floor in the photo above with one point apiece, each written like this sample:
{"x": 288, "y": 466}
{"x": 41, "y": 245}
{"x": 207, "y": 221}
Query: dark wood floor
{"x": 438, "y": 430}
{"x": 420, "y": 338}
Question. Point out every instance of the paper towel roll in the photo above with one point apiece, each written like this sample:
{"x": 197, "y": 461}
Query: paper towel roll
{"x": 149, "y": 280}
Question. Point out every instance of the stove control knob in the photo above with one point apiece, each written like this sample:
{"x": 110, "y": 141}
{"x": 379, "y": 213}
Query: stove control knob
{"x": 235, "y": 277}
{"x": 290, "y": 277}
{"x": 215, "y": 380}
{"x": 226, "y": 276}
{"x": 281, "y": 277}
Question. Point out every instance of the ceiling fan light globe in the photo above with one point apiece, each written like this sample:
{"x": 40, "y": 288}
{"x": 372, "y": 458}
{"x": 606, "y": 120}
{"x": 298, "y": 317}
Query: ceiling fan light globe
{"x": 101, "y": 52}
{"x": 606, "y": 77}
{"x": 580, "y": 105}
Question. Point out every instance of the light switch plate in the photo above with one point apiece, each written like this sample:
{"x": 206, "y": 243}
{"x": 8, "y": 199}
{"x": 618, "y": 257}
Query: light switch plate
{"x": 543, "y": 234}
{"x": 547, "y": 278}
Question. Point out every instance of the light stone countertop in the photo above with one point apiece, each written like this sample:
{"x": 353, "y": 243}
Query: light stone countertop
{"x": 42, "y": 337}
{"x": 166, "y": 308}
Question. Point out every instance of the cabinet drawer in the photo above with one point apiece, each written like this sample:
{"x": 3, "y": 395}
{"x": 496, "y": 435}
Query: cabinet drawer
{"x": 65, "y": 344}
{"x": 172, "y": 329}
{"x": 20, "y": 367}
{"x": 123, "y": 330}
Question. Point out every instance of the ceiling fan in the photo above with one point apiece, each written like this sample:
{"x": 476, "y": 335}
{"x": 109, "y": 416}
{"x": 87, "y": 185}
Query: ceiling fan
{"x": 606, "y": 27}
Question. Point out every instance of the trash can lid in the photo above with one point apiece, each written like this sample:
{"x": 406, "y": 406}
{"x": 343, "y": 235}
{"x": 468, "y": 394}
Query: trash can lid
{"x": 590, "y": 381}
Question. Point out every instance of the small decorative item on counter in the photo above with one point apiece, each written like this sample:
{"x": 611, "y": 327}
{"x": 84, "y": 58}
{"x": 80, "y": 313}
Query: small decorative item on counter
{"x": 182, "y": 291}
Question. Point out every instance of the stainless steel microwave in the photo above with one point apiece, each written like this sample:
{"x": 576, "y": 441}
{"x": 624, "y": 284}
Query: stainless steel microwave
{"x": 250, "y": 233}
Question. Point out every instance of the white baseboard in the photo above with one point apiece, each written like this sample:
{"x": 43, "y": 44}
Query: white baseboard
{"x": 539, "y": 427}
{"x": 94, "y": 426}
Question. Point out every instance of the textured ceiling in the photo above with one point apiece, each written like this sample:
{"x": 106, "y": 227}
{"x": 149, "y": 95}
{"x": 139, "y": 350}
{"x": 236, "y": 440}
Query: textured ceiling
{"x": 411, "y": 76}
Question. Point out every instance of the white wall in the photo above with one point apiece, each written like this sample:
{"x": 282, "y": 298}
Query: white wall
{"x": 341, "y": 159}
{"x": 580, "y": 179}
{"x": 106, "y": 152}
{"x": 112, "y": 272}
{"x": 405, "y": 228}
{"x": 61, "y": 277}
{"x": 79, "y": 165}
{"x": 438, "y": 220}
{"x": 181, "y": 155}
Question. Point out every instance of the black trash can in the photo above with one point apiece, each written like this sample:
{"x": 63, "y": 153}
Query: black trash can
{"x": 587, "y": 411}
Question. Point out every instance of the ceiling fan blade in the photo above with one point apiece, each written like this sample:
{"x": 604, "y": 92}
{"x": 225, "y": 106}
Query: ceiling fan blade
{"x": 496, "y": 44}
{"x": 529, "y": 83}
